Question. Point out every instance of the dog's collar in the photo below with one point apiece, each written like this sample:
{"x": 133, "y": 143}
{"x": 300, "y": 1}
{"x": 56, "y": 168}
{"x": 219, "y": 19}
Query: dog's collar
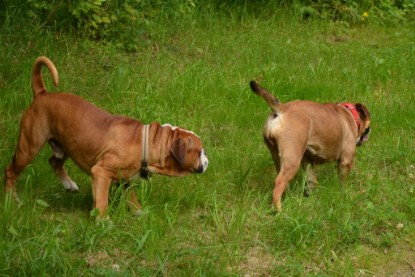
{"x": 354, "y": 112}
{"x": 144, "y": 171}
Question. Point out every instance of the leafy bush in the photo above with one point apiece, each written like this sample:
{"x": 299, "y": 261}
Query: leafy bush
{"x": 354, "y": 11}
{"x": 128, "y": 23}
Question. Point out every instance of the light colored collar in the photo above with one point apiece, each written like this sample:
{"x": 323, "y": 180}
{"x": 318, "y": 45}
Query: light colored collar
{"x": 144, "y": 171}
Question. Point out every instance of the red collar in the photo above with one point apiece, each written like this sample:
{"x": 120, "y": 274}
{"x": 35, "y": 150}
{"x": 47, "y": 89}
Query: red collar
{"x": 354, "y": 112}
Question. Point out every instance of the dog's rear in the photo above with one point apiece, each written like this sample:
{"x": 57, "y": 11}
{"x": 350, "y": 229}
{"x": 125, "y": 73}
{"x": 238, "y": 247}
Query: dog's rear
{"x": 30, "y": 127}
{"x": 304, "y": 133}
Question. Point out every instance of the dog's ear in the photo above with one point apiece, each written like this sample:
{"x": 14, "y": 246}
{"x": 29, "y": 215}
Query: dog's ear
{"x": 363, "y": 111}
{"x": 179, "y": 149}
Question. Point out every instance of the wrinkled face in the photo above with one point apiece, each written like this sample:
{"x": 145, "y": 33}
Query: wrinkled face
{"x": 188, "y": 151}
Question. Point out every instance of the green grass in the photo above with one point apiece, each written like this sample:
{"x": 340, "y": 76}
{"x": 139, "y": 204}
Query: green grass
{"x": 220, "y": 223}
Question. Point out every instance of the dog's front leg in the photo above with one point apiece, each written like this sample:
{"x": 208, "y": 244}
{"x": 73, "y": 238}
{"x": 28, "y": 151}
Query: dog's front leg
{"x": 344, "y": 167}
{"x": 133, "y": 204}
{"x": 101, "y": 183}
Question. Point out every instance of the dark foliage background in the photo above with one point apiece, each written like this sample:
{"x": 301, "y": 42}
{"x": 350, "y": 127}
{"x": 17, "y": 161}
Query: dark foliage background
{"x": 129, "y": 24}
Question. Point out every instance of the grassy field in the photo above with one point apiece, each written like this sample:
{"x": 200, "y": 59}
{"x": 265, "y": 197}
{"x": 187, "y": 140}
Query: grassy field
{"x": 220, "y": 223}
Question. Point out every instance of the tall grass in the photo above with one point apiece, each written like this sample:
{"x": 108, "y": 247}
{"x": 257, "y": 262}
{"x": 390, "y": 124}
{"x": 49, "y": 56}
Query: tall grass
{"x": 220, "y": 223}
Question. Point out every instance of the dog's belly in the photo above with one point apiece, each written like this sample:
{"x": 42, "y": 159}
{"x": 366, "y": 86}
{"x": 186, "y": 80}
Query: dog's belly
{"x": 316, "y": 154}
{"x": 107, "y": 139}
{"x": 123, "y": 160}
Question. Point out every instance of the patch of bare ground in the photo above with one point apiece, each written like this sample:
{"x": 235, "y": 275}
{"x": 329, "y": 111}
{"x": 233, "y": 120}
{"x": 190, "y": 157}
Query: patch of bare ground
{"x": 103, "y": 259}
{"x": 257, "y": 262}
{"x": 398, "y": 261}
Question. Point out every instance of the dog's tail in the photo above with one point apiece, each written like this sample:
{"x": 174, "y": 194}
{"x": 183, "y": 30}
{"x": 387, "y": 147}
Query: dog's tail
{"x": 38, "y": 86}
{"x": 272, "y": 102}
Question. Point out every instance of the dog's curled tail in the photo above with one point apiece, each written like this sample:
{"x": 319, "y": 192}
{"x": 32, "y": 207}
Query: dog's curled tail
{"x": 272, "y": 102}
{"x": 38, "y": 86}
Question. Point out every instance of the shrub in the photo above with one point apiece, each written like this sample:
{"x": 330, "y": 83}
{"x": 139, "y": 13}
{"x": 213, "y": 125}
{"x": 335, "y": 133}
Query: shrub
{"x": 128, "y": 23}
{"x": 354, "y": 11}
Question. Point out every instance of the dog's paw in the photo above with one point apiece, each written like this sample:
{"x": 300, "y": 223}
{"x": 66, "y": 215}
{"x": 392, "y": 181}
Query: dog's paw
{"x": 104, "y": 222}
{"x": 70, "y": 185}
{"x": 309, "y": 188}
{"x": 140, "y": 213}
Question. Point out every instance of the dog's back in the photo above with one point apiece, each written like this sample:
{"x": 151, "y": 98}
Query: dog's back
{"x": 72, "y": 122}
{"x": 66, "y": 120}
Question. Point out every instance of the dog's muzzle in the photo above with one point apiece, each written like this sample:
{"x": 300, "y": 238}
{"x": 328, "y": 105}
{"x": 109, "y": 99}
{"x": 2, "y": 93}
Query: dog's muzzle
{"x": 204, "y": 162}
{"x": 364, "y": 137}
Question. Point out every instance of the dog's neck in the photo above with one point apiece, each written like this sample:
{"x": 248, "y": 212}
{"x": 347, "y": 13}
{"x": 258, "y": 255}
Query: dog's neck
{"x": 354, "y": 112}
{"x": 146, "y": 156}
{"x": 144, "y": 171}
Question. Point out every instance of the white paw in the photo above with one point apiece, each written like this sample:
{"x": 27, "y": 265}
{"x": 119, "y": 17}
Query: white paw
{"x": 138, "y": 213}
{"x": 104, "y": 222}
{"x": 70, "y": 185}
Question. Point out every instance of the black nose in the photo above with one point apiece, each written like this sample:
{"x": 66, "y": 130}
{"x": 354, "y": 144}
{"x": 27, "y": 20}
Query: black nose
{"x": 199, "y": 169}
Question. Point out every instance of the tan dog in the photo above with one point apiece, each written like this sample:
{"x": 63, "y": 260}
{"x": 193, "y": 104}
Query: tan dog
{"x": 108, "y": 147}
{"x": 307, "y": 133}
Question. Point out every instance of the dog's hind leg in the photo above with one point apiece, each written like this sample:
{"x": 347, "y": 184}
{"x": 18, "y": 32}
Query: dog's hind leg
{"x": 290, "y": 156}
{"x": 58, "y": 166}
{"x": 310, "y": 175}
{"x": 29, "y": 144}
{"x": 57, "y": 162}
{"x": 287, "y": 172}
{"x": 19, "y": 162}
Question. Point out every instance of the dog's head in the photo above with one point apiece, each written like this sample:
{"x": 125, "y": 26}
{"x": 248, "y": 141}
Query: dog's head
{"x": 364, "y": 130}
{"x": 188, "y": 153}
{"x": 183, "y": 152}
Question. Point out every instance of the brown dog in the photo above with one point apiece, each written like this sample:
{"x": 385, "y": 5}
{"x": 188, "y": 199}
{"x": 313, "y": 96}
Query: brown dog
{"x": 307, "y": 133}
{"x": 108, "y": 147}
